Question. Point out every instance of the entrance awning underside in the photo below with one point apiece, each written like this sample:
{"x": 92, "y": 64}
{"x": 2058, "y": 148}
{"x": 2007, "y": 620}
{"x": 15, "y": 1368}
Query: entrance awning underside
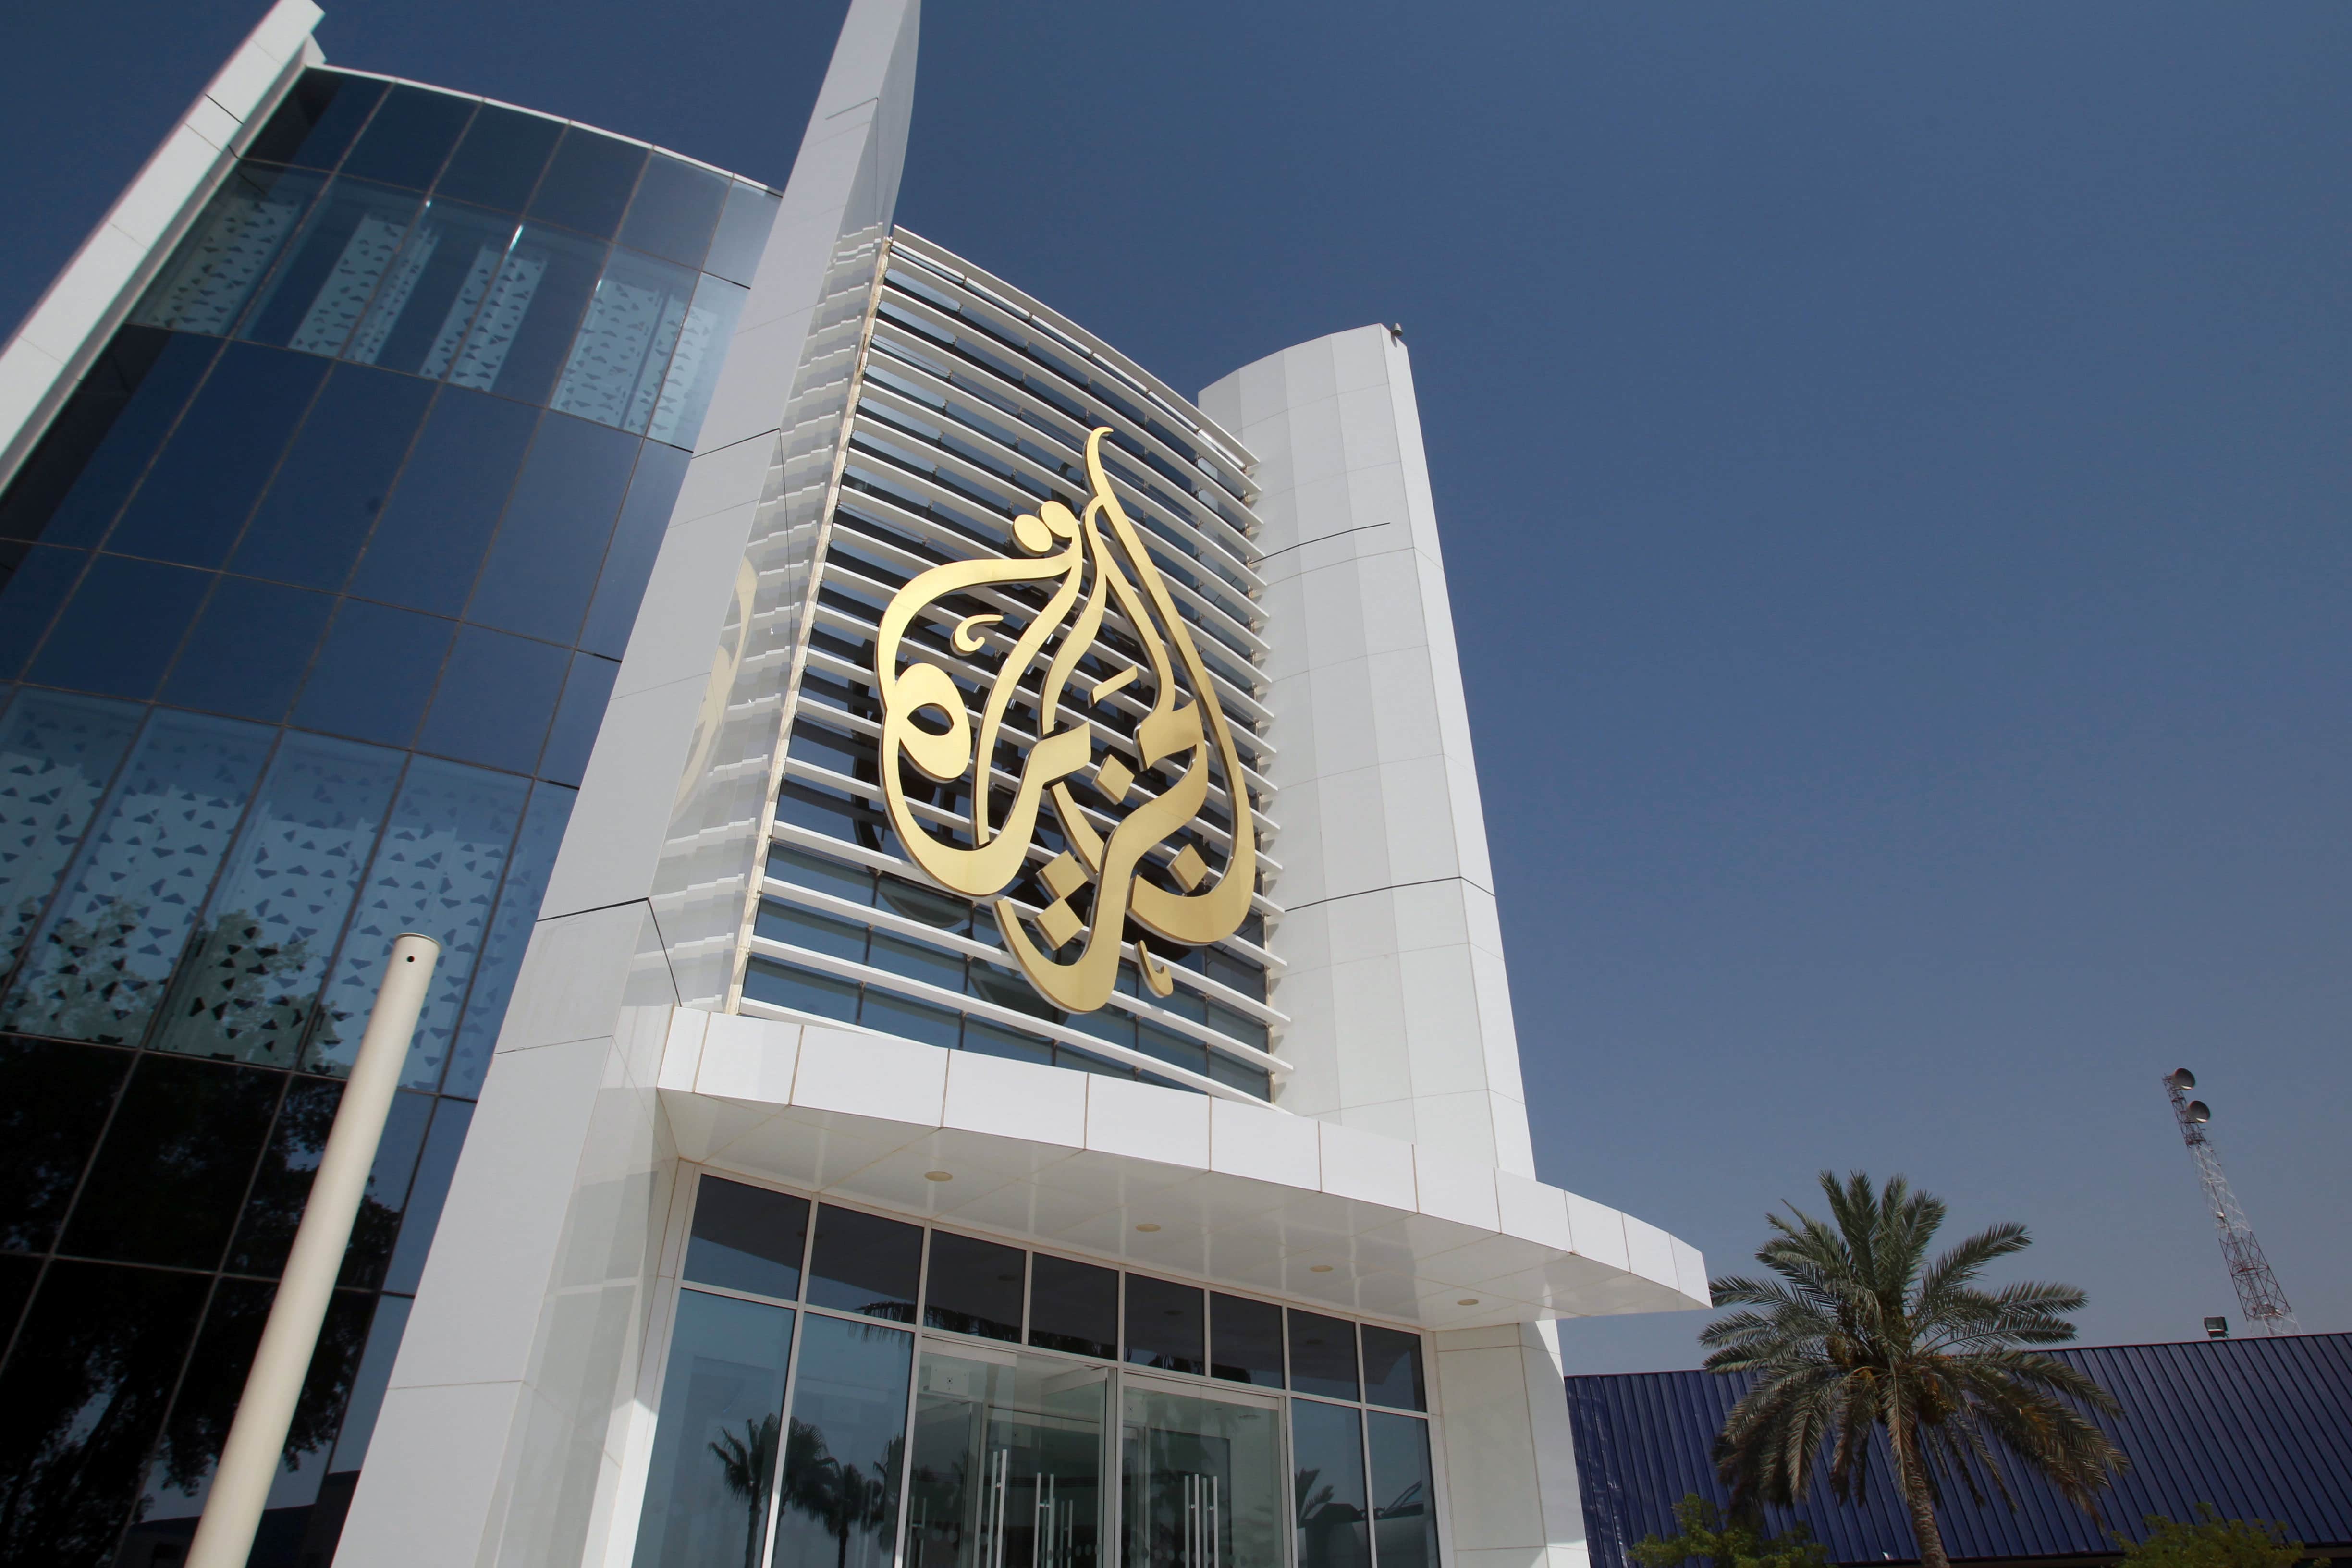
{"x": 1238, "y": 1195}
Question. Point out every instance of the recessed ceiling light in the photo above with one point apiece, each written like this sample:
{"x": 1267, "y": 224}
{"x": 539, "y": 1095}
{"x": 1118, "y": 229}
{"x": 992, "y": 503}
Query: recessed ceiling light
{"x": 1319, "y": 1268}
{"x": 1147, "y": 1226}
{"x": 1468, "y": 1301}
{"x": 939, "y": 1175}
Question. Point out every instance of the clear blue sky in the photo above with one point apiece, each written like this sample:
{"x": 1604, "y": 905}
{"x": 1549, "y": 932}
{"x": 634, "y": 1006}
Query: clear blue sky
{"x": 1893, "y": 467}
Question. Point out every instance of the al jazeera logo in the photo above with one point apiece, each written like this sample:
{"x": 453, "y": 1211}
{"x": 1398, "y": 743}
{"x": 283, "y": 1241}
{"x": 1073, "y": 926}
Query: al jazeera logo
{"x": 1107, "y": 625}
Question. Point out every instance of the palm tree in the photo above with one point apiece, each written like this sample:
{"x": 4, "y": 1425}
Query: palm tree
{"x": 1860, "y": 1329}
{"x": 747, "y": 1463}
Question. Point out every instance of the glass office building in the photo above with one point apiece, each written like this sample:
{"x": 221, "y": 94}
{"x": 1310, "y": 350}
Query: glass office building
{"x": 424, "y": 515}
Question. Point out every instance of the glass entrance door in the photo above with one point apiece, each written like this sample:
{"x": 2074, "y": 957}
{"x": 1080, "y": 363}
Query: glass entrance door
{"x": 1008, "y": 1462}
{"x": 1201, "y": 1480}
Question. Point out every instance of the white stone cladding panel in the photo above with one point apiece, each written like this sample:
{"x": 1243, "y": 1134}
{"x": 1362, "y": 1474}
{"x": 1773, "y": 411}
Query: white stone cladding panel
{"x": 1396, "y": 987}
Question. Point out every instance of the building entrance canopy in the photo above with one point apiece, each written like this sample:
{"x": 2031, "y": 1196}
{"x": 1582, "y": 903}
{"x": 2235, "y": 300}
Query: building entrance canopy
{"x": 1230, "y": 1193}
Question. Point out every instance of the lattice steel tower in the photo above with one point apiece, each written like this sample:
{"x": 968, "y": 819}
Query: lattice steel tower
{"x": 2260, "y": 1300}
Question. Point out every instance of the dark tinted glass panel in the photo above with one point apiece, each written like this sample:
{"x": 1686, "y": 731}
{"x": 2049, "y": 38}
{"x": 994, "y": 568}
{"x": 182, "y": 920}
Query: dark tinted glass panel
{"x": 747, "y": 1239}
{"x": 586, "y": 691}
{"x": 715, "y": 1448}
{"x": 974, "y": 1286}
{"x": 1172, "y": 1048}
{"x": 1164, "y": 1324}
{"x": 1392, "y": 1369}
{"x": 428, "y": 549}
{"x": 1073, "y": 1307}
{"x": 53, "y": 1101}
{"x": 587, "y": 186}
{"x": 803, "y": 990}
{"x": 207, "y": 1403}
{"x": 83, "y": 1413}
{"x": 509, "y": 934}
{"x": 499, "y": 162}
{"x": 34, "y": 581}
{"x": 989, "y": 1039}
{"x": 332, "y": 271}
{"x": 191, "y": 1129}
{"x": 101, "y": 442}
{"x": 1327, "y": 1458}
{"x": 542, "y": 566}
{"x": 60, "y": 752}
{"x": 629, "y": 558}
{"x": 1246, "y": 1341}
{"x": 694, "y": 370}
{"x": 817, "y": 932}
{"x": 122, "y": 627}
{"x": 743, "y": 235}
{"x": 675, "y": 208}
{"x": 523, "y": 333}
{"x": 327, "y": 494}
{"x": 428, "y": 1193}
{"x": 1322, "y": 1356}
{"x": 231, "y": 250}
{"x": 213, "y": 469}
{"x": 411, "y": 132}
{"x": 16, "y": 1278}
{"x": 495, "y": 701}
{"x": 1239, "y": 1074}
{"x": 1404, "y": 1512}
{"x": 862, "y": 1263}
{"x": 318, "y": 119}
{"x": 848, "y": 1420}
{"x": 374, "y": 674}
{"x": 281, "y": 1184}
{"x": 369, "y": 1382}
{"x": 909, "y": 1020}
{"x": 250, "y": 649}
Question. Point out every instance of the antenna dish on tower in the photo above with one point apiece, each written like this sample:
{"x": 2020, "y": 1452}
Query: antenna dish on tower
{"x": 2259, "y": 1296}
{"x": 2181, "y": 1078}
{"x": 2198, "y": 1112}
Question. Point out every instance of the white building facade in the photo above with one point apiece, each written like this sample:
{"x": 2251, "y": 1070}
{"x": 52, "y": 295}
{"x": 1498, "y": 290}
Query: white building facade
{"x": 1014, "y": 1062}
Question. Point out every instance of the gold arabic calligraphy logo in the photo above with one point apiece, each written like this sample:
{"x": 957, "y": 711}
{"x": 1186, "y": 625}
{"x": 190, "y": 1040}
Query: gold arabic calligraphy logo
{"x": 1118, "y": 631}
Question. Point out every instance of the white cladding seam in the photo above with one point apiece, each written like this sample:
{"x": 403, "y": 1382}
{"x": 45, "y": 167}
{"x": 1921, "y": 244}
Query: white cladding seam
{"x": 72, "y": 324}
{"x": 972, "y": 402}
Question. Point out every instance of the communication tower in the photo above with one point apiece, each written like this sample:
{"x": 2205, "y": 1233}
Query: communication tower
{"x": 2259, "y": 1296}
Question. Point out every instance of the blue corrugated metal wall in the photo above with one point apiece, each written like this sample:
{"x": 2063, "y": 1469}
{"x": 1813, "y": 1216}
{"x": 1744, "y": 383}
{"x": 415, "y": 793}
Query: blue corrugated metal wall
{"x": 2259, "y": 1428}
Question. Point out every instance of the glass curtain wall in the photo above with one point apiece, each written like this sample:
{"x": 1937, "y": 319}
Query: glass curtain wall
{"x": 310, "y": 600}
{"x": 960, "y": 1403}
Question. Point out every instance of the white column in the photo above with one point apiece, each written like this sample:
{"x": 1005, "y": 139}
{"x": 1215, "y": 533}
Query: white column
{"x": 1510, "y": 1456}
{"x": 507, "y": 1433}
{"x": 1400, "y": 1008}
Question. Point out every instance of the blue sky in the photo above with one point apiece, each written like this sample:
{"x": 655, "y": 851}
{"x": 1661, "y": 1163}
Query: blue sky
{"x": 1893, "y": 473}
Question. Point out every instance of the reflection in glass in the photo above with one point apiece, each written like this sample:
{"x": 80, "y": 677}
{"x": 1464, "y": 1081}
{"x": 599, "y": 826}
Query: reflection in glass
{"x": 100, "y": 960}
{"x": 495, "y": 699}
{"x": 205, "y": 286}
{"x": 694, "y": 368}
{"x": 53, "y": 1100}
{"x": 83, "y": 1414}
{"x": 428, "y": 1193}
{"x": 373, "y": 674}
{"x": 864, "y": 1263}
{"x": 1246, "y": 1341}
{"x": 118, "y": 631}
{"x": 281, "y": 1183}
{"x": 743, "y": 227}
{"x": 1163, "y": 1325}
{"x": 974, "y": 1286}
{"x": 589, "y": 183}
{"x": 843, "y": 1447}
{"x": 747, "y": 1239}
{"x": 1008, "y": 1463}
{"x": 629, "y": 558}
{"x": 1073, "y": 1306}
{"x": 250, "y": 649}
{"x": 314, "y": 299}
{"x": 1200, "y": 1482}
{"x": 56, "y": 754}
{"x": 1392, "y": 1369}
{"x": 676, "y": 206}
{"x": 192, "y": 1129}
{"x": 243, "y": 986}
{"x": 413, "y": 130}
{"x": 435, "y": 872}
{"x": 617, "y": 361}
{"x": 530, "y": 307}
{"x": 318, "y": 509}
{"x": 316, "y": 120}
{"x": 1404, "y": 1512}
{"x": 542, "y": 566}
{"x": 1327, "y": 1456}
{"x": 34, "y": 581}
{"x": 205, "y": 482}
{"x": 1322, "y": 1356}
{"x": 714, "y": 1460}
{"x": 432, "y": 289}
{"x": 519, "y": 899}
